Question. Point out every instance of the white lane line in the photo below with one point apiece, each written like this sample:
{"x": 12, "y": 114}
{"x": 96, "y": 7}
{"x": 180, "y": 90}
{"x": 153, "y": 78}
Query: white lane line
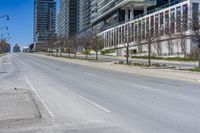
{"x": 38, "y": 95}
{"x": 141, "y": 86}
{"x": 89, "y": 101}
{"x": 7, "y": 63}
{"x": 89, "y": 74}
{"x": 93, "y": 103}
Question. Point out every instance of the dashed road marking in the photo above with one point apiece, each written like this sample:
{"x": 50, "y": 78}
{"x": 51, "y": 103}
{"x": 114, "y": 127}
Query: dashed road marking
{"x": 7, "y": 63}
{"x": 93, "y": 103}
{"x": 89, "y": 101}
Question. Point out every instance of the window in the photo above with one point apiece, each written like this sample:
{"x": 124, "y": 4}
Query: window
{"x": 147, "y": 27}
{"x": 172, "y": 26}
{"x": 152, "y": 26}
{"x": 156, "y": 24}
{"x": 166, "y": 22}
{"x": 123, "y": 34}
{"x": 136, "y": 31}
{"x": 139, "y": 30}
{"x": 195, "y": 12}
{"x": 178, "y": 19}
{"x": 132, "y": 31}
{"x": 185, "y": 17}
{"x": 143, "y": 29}
{"x": 120, "y": 35}
{"x": 161, "y": 23}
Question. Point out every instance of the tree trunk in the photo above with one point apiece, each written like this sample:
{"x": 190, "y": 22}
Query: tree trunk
{"x": 199, "y": 61}
{"x": 96, "y": 56}
{"x": 199, "y": 57}
{"x": 61, "y": 52}
{"x": 57, "y": 53}
{"x": 86, "y": 56}
{"x": 127, "y": 55}
{"x": 75, "y": 54}
{"x": 149, "y": 54}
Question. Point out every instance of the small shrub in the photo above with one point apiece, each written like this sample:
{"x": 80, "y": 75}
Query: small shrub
{"x": 196, "y": 69}
{"x": 107, "y": 51}
{"x": 146, "y": 57}
{"x": 179, "y": 59}
{"x": 85, "y": 52}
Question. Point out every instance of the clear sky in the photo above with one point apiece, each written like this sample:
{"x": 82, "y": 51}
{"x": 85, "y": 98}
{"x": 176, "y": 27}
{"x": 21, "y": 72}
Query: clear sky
{"x": 21, "y": 20}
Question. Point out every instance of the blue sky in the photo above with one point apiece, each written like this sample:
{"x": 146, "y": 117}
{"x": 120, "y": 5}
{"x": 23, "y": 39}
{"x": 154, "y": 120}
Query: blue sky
{"x": 21, "y": 20}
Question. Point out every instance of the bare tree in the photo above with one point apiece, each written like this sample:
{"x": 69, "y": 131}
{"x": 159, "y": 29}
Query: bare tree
{"x": 86, "y": 46}
{"x": 3, "y": 45}
{"x": 157, "y": 44}
{"x": 195, "y": 26}
{"x": 150, "y": 37}
{"x": 75, "y": 44}
{"x": 126, "y": 36}
{"x": 139, "y": 43}
{"x": 96, "y": 43}
{"x": 68, "y": 45}
{"x": 51, "y": 40}
{"x": 85, "y": 42}
{"x": 169, "y": 36}
{"x": 181, "y": 34}
{"x": 60, "y": 44}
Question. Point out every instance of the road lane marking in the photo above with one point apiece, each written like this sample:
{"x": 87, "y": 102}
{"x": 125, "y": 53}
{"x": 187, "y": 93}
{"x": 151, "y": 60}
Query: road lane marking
{"x": 38, "y": 95}
{"x": 89, "y": 74}
{"x": 93, "y": 103}
{"x": 87, "y": 100}
{"x": 7, "y": 63}
{"x": 141, "y": 86}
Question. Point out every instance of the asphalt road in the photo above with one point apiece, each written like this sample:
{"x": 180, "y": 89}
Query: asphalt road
{"x": 81, "y": 99}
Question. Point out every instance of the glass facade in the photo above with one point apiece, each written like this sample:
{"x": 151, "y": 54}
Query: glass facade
{"x": 158, "y": 23}
{"x": 109, "y": 13}
{"x": 44, "y": 20}
{"x": 195, "y": 13}
{"x": 68, "y": 18}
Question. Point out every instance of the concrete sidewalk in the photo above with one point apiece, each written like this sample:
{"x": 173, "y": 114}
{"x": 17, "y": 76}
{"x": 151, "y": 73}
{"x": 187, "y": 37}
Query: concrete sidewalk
{"x": 17, "y": 105}
{"x": 177, "y": 64}
{"x": 152, "y": 72}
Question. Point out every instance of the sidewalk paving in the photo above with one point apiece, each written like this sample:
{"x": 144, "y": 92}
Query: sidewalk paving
{"x": 17, "y": 105}
{"x": 178, "y": 64}
{"x": 152, "y": 72}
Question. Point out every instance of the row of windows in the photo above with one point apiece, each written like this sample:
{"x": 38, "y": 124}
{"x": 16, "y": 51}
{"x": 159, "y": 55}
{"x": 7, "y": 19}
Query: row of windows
{"x": 164, "y": 23}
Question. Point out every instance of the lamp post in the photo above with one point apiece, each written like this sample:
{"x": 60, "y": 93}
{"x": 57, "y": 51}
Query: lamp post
{"x": 1, "y": 45}
{"x": 5, "y": 16}
{"x": 5, "y": 27}
{"x": 2, "y": 34}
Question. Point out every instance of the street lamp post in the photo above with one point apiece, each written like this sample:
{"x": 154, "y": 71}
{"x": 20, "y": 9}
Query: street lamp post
{"x": 5, "y": 16}
{"x": 1, "y": 47}
{"x": 2, "y": 34}
{"x": 5, "y": 27}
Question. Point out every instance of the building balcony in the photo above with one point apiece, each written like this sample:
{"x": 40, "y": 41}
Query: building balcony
{"x": 106, "y": 8}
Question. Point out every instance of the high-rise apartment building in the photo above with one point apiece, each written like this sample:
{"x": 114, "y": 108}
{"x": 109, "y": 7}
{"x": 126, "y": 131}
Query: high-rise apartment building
{"x": 168, "y": 25}
{"x": 106, "y": 13}
{"x": 85, "y": 15}
{"x": 44, "y": 20}
{"x": 68, "y": 18}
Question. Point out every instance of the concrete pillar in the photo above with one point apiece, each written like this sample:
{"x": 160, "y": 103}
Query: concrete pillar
{"x": 126, "y": 15}
{"x": 145, "y": 9}
{"x": 132, "y": 13}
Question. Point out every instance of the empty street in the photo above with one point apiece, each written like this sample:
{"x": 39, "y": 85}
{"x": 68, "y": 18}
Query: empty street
{"x": 77, "y": 98}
